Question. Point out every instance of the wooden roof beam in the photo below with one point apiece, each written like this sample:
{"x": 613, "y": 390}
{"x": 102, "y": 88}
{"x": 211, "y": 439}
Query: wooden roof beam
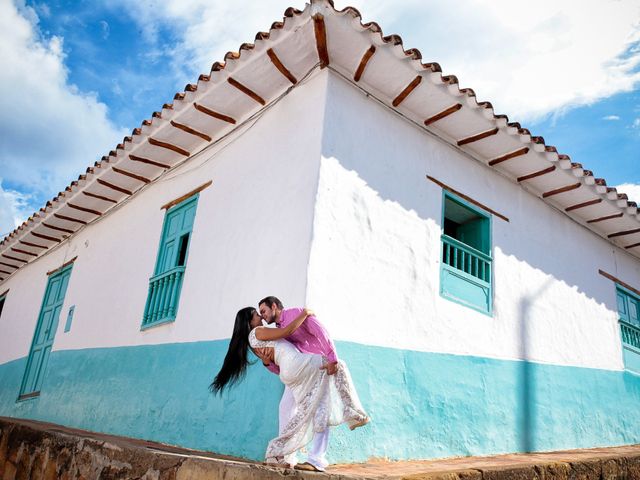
{"x": 247, "y": 91}
{"x": 608, "y": 217}
{"x": 83, "y": 209}
{"x": 509, "y": 156}
{"x": 478, "y": 136}
{"x": 69, "y": 219}
{"x": 168, "y": 146}
{"x": 191, "y": 131}
{"x": 146, "y": 161}
{"x": 625, "y": 232}
{"x": 536, "y": 174}
{"x": 16, "y": 259}
{"x": 100, "y": 197}
{"x": 281, "y": 68}
{"x": 214, "y": 114}
{"x": 45, "y": 237}
{"x": 363, "y": 62}
{"x": 35, "y": 245}
{"x": 24, "y": 252}
{"x": 320, "y": 31}
{"x": 557, "y": 191}
{"x": 583, "y": 205}
{"x": 113, "y": 187}
{"x": 59, "y": 229}
{"x": 442, "y": 114}
{"x": 407, "y": 90}
{"x": 126, "y": 173}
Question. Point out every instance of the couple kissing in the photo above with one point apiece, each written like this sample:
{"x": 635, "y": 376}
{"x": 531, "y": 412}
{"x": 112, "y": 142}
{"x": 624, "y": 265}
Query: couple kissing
{"x": 318, "y": 393}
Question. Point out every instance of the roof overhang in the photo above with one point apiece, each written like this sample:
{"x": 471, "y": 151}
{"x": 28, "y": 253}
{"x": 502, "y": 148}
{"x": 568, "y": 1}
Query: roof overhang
{"x": 253, "y": 79}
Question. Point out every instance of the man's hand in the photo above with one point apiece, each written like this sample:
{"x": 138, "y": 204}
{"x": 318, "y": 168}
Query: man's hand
{"x": 331, "y": 368}
{"x": 265, "y": 354}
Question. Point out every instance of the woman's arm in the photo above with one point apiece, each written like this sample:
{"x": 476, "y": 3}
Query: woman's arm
{"x": 264, "y": 333}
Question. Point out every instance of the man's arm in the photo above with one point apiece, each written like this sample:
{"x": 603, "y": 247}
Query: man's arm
{"x": 317, "y": 330}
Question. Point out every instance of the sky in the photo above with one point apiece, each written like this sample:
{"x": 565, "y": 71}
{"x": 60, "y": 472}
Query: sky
{"x": 77, "y": 76}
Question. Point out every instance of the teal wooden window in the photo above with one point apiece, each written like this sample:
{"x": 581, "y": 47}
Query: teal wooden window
{"x": 629, "y": 319}
{"x": 466, "y": 267}
{"x": 166, "y": 283}
{"x": 45, "y": 332}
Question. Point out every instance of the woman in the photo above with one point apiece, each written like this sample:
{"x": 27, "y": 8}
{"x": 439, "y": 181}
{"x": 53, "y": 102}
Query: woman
{"x": 321, "y": 400}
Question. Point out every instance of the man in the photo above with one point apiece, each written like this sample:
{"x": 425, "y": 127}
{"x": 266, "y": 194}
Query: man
{"x": 311, "y": 337}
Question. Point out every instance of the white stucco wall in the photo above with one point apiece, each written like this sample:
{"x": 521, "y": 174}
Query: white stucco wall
{"x": 373, "y": 264}
{"x": 375, "y": 269}
{"x": 251, "y": 238}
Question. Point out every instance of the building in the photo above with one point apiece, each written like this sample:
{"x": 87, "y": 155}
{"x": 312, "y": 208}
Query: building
{"x": 482, "y": 287}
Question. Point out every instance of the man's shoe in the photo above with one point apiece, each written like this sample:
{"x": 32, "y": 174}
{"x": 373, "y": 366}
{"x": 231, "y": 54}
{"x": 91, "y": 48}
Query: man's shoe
{"x": 309, "y": 467}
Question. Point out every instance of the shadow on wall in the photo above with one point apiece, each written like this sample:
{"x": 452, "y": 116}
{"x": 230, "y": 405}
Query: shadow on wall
{"x": 526, "y": 379}
{"x": 392, "y": 158}
{"x": 389, "y": 160}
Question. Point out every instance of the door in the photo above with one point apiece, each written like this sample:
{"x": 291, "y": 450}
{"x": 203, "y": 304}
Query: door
{"x": 45, "y": 333}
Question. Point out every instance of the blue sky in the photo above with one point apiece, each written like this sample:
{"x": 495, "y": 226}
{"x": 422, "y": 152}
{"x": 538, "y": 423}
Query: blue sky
{"x": 79, "y": 75}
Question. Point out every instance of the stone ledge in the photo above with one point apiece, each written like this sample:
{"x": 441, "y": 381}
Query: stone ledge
{"x": 32, "y": 450}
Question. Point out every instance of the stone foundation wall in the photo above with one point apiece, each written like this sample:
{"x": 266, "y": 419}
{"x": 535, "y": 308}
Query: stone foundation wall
{"x": 35, "y": 451}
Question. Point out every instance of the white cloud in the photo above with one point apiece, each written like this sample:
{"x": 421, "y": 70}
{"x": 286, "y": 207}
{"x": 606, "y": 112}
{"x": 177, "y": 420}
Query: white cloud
{"x": 15, "y": 207}
{"x": 51, "y": 131}
{"x": 611, "y": 117}
{"x": 206, "y": 29}
{"x": 632, "y": 190}
{"x": 529, "y": 62}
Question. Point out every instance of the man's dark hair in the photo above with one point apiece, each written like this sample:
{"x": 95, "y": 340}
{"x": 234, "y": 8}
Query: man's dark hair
{"x": 270, "y": 301}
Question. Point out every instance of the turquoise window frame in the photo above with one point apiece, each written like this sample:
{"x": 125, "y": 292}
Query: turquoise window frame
{"x": 165, "y": 286}
{"x": 474, "y": 281}
{"x": 629, "y": 327}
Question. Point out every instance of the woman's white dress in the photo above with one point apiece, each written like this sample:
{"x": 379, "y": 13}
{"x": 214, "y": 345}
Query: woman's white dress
{"x": 321, "y": 400}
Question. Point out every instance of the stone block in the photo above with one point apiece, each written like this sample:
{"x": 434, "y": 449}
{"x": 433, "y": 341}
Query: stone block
{"x": 457, "y": 475}
{"x": 555, "y": 471}
{"x": 633, "y": 468}
{"x": 524, "y": 472}
{"x": 50, "y": 470}
{"x": 9, "y": 471}
{"x": 613, "y": 469}
{"x": 586, "y": 470}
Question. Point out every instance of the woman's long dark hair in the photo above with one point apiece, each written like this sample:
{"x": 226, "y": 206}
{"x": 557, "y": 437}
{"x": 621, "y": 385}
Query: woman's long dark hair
{"x": 235, "y": 362}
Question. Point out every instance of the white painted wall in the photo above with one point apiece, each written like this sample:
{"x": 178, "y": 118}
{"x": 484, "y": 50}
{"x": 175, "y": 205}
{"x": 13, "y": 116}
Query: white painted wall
{"x": 251, "y": 238}
{"x": 374, "y": 265}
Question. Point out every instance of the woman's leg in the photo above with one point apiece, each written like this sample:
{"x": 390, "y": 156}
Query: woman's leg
{"x": 354, "y": 413}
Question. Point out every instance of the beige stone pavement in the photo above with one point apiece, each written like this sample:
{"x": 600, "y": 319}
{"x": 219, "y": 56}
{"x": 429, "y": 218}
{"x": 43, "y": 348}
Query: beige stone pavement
{"x": 404, "y": 469}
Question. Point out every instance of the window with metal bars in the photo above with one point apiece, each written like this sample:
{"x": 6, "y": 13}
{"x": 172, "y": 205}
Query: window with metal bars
{"x": 466, "y": 267}
{"x": 166, "y": 283}
{"x": 629, "y": 320}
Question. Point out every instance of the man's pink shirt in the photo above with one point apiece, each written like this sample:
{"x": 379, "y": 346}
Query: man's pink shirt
{"x": 310, "y": 337}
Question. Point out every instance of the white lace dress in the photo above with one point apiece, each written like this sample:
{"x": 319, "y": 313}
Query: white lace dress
{"x": 321, "y": 400}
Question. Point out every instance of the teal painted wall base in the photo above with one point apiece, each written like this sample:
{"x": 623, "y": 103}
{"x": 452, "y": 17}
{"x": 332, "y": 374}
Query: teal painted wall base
{"x": 423, "y": 405}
